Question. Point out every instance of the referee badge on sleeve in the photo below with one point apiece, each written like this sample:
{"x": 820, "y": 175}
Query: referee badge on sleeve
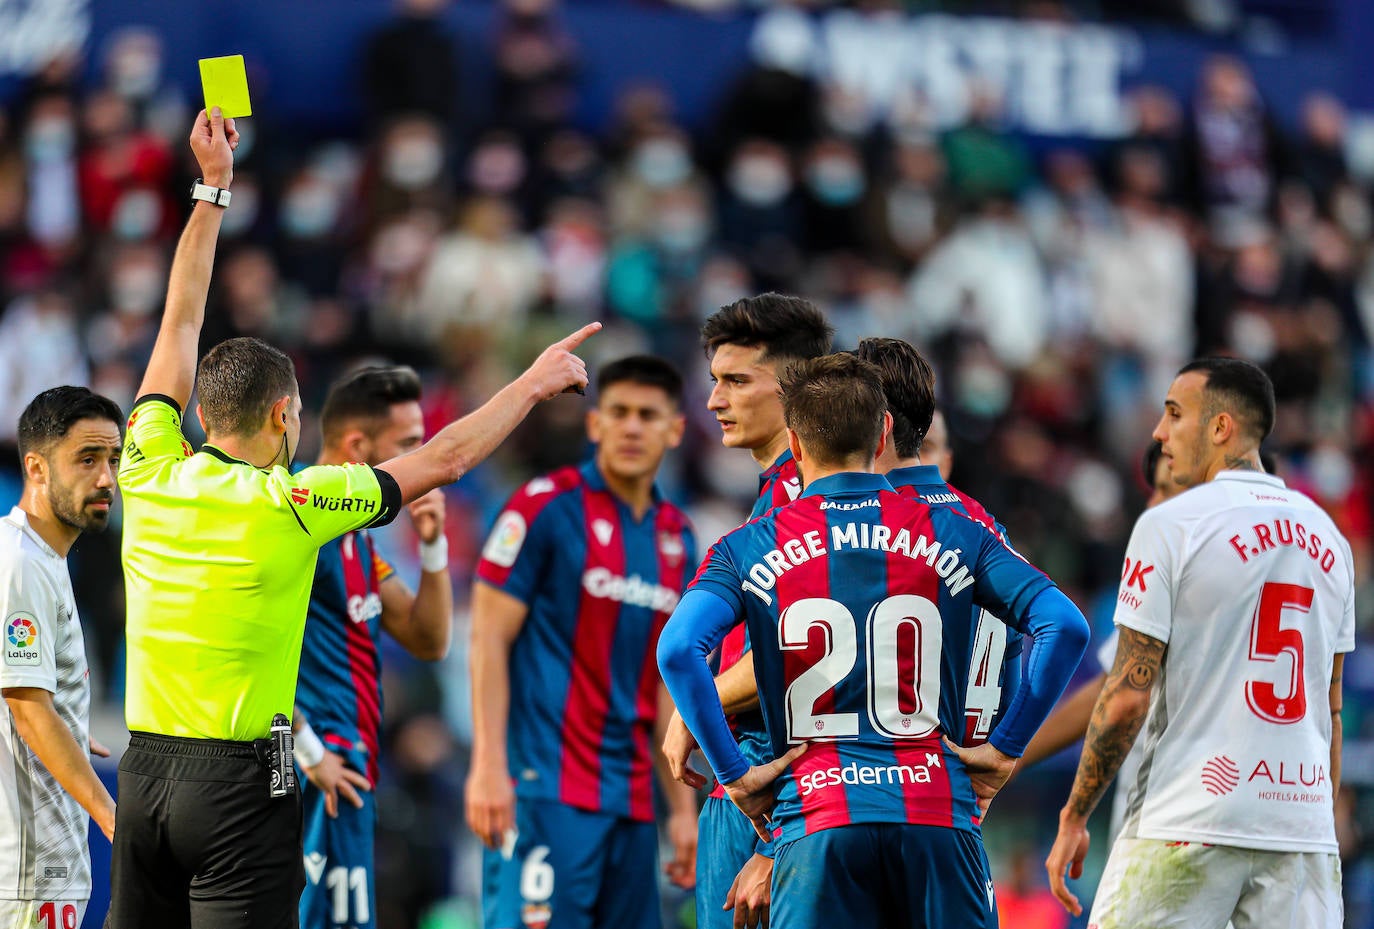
{"x": 21, "y": 640}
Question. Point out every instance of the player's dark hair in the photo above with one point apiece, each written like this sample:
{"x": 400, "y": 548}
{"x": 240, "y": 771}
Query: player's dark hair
{"x": 1149, "y": 462}
{"x": 909, "y": 384}
{"x": 789, "y": 328}
{"x": 238, "y": 381}
{"x": 50, "y": 415}
{"x": 835, "y": 405}
{"x": 1239, "y": 388}
{"x": 366, "y": 397}
{"x": 649, "y": 370}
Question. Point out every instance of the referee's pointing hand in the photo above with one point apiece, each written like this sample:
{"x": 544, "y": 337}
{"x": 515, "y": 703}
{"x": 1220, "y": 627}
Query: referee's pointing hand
{"x": 557, "y": 369}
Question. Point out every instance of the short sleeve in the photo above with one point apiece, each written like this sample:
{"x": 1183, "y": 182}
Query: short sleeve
{"x": 1106, "y": 654}
{"x": 329, "y": 500}
{"x": 153, "y": 437}
{"x": 29, "y": 606}
{"x": 719, "y": 575}
{"x": 1144, "y": 601}
{"x": 517, "y": 552}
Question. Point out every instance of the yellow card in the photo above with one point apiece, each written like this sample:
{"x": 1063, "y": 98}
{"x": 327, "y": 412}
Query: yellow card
{"x": 226, "y": 85}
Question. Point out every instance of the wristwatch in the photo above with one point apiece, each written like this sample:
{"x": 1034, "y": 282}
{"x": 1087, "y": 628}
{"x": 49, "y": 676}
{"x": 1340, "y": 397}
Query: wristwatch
{"x": 219, "y": 196}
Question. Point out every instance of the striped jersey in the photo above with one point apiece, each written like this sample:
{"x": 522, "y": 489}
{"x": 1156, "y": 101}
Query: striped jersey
{"x": 779, "y": 485}
{"x": 599, "y": 586}
{"x": 996, "y": 661}
{"x": 860, "y": 607}
{"x": 43, "y": 848}
{"x": 340, "y": 685}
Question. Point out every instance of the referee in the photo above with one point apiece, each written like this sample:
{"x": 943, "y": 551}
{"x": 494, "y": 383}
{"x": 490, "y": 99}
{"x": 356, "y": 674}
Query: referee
{"x": 219, "y": 553}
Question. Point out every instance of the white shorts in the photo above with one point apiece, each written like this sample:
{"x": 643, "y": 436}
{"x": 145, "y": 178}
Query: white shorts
{"x": 44, "y": 914}
{"x": 1189, "y": 885}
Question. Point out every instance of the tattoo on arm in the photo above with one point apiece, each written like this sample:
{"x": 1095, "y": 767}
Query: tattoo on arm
{"x": 1117, "y": 717}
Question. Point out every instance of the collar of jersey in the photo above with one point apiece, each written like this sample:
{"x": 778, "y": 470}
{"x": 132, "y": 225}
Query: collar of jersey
{"x": 776, "y": 466}
{"x": 224, "y": 456}
{"x": 20, "y": 517}
{"x": 846, "y": 482}
{"x": 596, "y": 481}
{"x": 1259, "y": 476}
{"x": 916, "y": 476}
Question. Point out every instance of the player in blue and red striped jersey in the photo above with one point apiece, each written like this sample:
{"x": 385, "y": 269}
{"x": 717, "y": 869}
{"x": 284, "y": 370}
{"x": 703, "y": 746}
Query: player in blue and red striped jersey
{"x": 909, "y": 385}
{"x": 750, "y": 343}
{"x": 859, "y": 605}
{"x": 370, "y": 416}
{"x": 577, "y": 578}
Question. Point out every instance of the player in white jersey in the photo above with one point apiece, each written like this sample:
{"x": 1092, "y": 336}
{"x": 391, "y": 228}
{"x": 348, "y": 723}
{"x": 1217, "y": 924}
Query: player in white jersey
{"x": 1238, "y": 598}
{"x": 69, "y": 445}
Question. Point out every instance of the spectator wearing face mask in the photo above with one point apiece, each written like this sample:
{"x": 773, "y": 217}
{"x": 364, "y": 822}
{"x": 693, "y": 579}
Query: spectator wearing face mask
{"x": 759, "y": 211}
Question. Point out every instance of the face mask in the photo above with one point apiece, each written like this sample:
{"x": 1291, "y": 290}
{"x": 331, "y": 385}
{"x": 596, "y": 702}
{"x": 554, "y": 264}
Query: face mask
{"x": 136, "y": 215}
{"x": 413, "y": 163}
{"x": 310, "y": 210}
{"x": 136, "y": 74}
{"x": 681, "y": 230}
{"x": 1331, "y": 473}
{"x": 760, "y": 181}
{"x": 661, "y": 163}
{"x": 49, "y": 139}
{"x": 135, "y": 292}
{"x": 835, "y": 181}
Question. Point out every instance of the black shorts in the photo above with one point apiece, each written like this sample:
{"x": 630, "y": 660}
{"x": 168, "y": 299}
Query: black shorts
{"x": 199, "y": 842}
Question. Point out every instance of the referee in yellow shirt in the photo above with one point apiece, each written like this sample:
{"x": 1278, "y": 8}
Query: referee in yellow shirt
{"x": 219, "y": 553}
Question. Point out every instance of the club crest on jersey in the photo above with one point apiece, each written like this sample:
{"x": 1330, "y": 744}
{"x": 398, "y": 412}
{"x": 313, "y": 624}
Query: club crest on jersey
{"x": 21, "y": 641}
{"x": 603, "y": 531}
{"x": 536, "y": 915}
{"x": 507, "y": 537}
{"x": 670, "y": 545}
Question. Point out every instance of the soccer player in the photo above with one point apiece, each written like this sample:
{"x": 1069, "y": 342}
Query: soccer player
{"x": 576, "y": 580}
{"x": 370, "y": 416}
{"x": 69, "y": 449}
{"x": 858, "y": 603}
{"x": 219, "y": 552}
{"x": 909, "y": 385}
{"x": 750, "y": 343}
{"x": 1238, "y": 599}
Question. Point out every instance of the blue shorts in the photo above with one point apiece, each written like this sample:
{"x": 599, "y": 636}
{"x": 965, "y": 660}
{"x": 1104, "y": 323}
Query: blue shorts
{"x": 339, "y": 885}
{"x": 725, "y": 843}
{"x": 572, "y": 869}
{"x": 887, "y": 874}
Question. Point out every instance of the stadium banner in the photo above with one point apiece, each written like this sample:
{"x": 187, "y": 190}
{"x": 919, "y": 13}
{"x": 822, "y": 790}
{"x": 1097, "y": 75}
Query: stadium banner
{"x": 1057, "y": 79}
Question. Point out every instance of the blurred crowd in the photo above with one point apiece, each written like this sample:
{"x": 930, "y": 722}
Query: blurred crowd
{"x": 1057, "y": 289}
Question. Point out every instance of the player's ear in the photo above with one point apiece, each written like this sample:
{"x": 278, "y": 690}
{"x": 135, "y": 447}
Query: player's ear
{"x": 795, "y": 444}
{"x": 35, "y": 468}
{"x": 355, "y": 445}
{"x": 594, "y": 425}
{"x": 200, "y": 415}
{"x": 677, "y": 425}
{"x": 884, "y": 436}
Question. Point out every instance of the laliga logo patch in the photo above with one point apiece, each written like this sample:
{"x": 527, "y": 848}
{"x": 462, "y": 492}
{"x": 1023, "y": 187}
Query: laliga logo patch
{"x": 21, "y": 641}
{"x": 507, "y": 536}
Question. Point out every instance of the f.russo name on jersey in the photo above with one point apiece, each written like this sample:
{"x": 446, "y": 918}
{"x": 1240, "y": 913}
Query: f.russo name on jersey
{"x": 869, "y": 775}
{"x": 632, "y": 590}
{"x": 1265, "y": 537}
{"x": 763, "y": 575}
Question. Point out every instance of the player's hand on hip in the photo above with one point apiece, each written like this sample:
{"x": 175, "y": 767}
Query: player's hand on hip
{"x": 678, "y": 746}
{"x": 682, "y": 835}
{"x": 213, "y": 140}
{"x": 557, "y": 370}
{"x": 427, "y": 515}
{"x": 489, "y": 804}
{"x": 1070, "y": 848}
{"x": 988, "y": 770}
{"x": 753, "y": 792}
{"x": 751, "y": 894}
{"x": 336, "y": 779}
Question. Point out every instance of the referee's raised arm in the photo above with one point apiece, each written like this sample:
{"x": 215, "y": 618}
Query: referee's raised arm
{"x": 172, "y": 367}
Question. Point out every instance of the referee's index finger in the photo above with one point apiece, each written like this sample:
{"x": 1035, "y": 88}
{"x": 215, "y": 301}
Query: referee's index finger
{"x": 580, "y": 336}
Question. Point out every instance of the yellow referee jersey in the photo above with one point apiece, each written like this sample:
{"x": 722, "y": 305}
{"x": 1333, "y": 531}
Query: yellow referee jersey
{"x": 218, "y": 561}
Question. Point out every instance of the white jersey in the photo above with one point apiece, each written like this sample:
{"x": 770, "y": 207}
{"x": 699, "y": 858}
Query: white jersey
{"x": 43, "y": 849}
{"x": 1252, "y": 588}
